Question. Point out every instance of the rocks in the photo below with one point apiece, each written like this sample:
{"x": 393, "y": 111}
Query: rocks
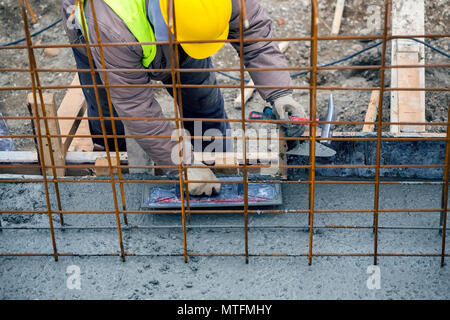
{"x": 281, "y": 21}
{"x": 51, "y": 52}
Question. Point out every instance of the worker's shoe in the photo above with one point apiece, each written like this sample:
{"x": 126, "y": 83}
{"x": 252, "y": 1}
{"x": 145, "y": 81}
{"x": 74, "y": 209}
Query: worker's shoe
{"x": 202, "y": 188}
{"x": 285, "y": 107}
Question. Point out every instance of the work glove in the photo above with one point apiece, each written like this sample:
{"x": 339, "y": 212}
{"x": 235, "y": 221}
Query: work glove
{"x": 206, "y": 188}
{"x": 284, "y": 107}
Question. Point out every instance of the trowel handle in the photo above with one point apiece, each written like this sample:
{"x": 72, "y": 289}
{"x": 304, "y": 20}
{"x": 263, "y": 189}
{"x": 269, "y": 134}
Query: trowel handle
{"x": 255, "y": 115}
{"x": 292, "y": 118}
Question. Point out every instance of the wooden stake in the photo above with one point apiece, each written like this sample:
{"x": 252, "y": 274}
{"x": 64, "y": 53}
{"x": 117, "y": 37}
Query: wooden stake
{"x": 337, "y": 17}
{"x": 73, "y": 105}
{"x": 408, "y": 18}
{"x": 102, "y": 167}
{"x": 56, "y": 143}
{"x": 371, "y": 114}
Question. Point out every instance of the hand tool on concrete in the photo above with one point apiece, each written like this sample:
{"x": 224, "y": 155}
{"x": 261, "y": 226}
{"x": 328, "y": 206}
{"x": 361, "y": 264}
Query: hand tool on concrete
{"x": 302, "y": 148}
{"x": 231, "y": 195}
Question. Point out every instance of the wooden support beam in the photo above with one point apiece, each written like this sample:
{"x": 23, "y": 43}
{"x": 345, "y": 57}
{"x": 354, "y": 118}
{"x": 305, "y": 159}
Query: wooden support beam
{"x": 407, "y": 106}
{"x": 82, "y": 144}
{"x": 337, "y": 17}
{"x": 73, "y": 105}
{"x": 56, "y": 146}
{"x": 102, "y": 167}
{"x": 371, "y": 114}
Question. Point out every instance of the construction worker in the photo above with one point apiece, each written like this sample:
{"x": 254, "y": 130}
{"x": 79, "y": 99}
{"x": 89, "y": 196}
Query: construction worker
{"x": 146, "y": 21}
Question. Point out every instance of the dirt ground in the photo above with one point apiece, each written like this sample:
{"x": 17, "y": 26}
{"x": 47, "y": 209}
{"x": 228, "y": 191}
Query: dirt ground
{"x": 291, "y": 18}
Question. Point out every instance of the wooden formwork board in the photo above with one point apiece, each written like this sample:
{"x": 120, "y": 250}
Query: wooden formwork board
{"x": 407, "y": 106}
{"x": 74, "y": 105}
{"x": 55, "y": 147}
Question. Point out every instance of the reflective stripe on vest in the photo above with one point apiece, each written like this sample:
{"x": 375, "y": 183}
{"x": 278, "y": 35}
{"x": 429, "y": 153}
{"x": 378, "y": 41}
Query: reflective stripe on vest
{"x": 133, "y": 13}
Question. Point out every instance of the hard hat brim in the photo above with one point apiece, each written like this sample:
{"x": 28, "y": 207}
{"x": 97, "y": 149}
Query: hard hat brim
{"x": 205, "y": 50}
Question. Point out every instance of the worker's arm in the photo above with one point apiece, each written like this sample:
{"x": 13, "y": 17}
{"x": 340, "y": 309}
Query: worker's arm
{"x": 135, "y": 102}
{"x": 129, "y": 101}
{"x": 265, "y": 54}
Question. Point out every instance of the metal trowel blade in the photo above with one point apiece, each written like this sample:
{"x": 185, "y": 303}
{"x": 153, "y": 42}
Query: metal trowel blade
{"x": 302, "y": 149}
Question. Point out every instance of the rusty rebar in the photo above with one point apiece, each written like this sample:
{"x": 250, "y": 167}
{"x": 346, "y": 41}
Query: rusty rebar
{"x": 32, "y": 64}
{"x": 102, "y": 124}
{"x": 177, "y": 86}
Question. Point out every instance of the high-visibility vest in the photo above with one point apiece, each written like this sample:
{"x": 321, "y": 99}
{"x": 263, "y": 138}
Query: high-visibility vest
{"x": 134, "y": 15}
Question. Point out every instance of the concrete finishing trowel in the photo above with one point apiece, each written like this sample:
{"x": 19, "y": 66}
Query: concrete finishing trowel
{"x": 302, "y": 148}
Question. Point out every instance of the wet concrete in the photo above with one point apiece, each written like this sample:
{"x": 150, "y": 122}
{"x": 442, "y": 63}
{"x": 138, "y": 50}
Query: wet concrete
{"x": 159, "y": 277}
{"x": 357, "y": 152}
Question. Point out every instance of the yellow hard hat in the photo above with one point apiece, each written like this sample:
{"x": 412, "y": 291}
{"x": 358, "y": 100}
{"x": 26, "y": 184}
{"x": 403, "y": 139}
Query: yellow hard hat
{"x": 200, "y": 20}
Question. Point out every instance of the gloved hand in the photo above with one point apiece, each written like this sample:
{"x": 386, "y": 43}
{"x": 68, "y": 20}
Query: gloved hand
{"x": 197, "y": 189}
{"x": 286, "y": 106}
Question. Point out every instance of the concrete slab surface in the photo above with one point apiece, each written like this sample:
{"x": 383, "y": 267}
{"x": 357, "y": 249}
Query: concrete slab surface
{"x": 160, "y": 277}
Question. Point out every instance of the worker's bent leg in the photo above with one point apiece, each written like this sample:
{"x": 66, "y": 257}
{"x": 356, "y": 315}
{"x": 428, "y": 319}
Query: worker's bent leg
{"x": 92, "y": 109}
{"x": 202, "y": 102}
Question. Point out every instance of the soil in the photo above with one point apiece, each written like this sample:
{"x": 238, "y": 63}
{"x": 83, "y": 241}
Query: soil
{"x": 291, "y": 18}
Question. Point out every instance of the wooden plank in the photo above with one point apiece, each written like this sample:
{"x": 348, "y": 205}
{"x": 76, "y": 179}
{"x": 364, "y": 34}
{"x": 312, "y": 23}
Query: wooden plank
{"x": 82, "y": 144}
{"x": 248, "y": 92}
{"x": 411, "y": 103}
{"x": 407, "y": 106}
{"x": 56, "y": 146}
{"x": 71, "y": 157}
{"x": 102, "y": 167}
{"x": 337, "y": 17}
{"x": 73, "y": 105}
{"x": 371, "y": 114}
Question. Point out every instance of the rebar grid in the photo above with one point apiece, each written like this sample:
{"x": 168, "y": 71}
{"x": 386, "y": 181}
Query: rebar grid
{"x": 185, "y": 211}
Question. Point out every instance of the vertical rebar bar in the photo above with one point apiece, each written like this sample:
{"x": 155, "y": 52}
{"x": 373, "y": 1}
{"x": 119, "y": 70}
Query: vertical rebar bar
{"x": 32, "y": 64}
{"x": 48, "y": 134}
{"x": 102, "y": 124}
{"x": 181, "y": 115}
{"x": 243, "y": 126}
{"x": 379, "y": 132}
{"x": 443, "y": 215}
{"x": 111, "y": 112}
{"x": 178, "y": 124}
{"x": 312, "y": 125}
